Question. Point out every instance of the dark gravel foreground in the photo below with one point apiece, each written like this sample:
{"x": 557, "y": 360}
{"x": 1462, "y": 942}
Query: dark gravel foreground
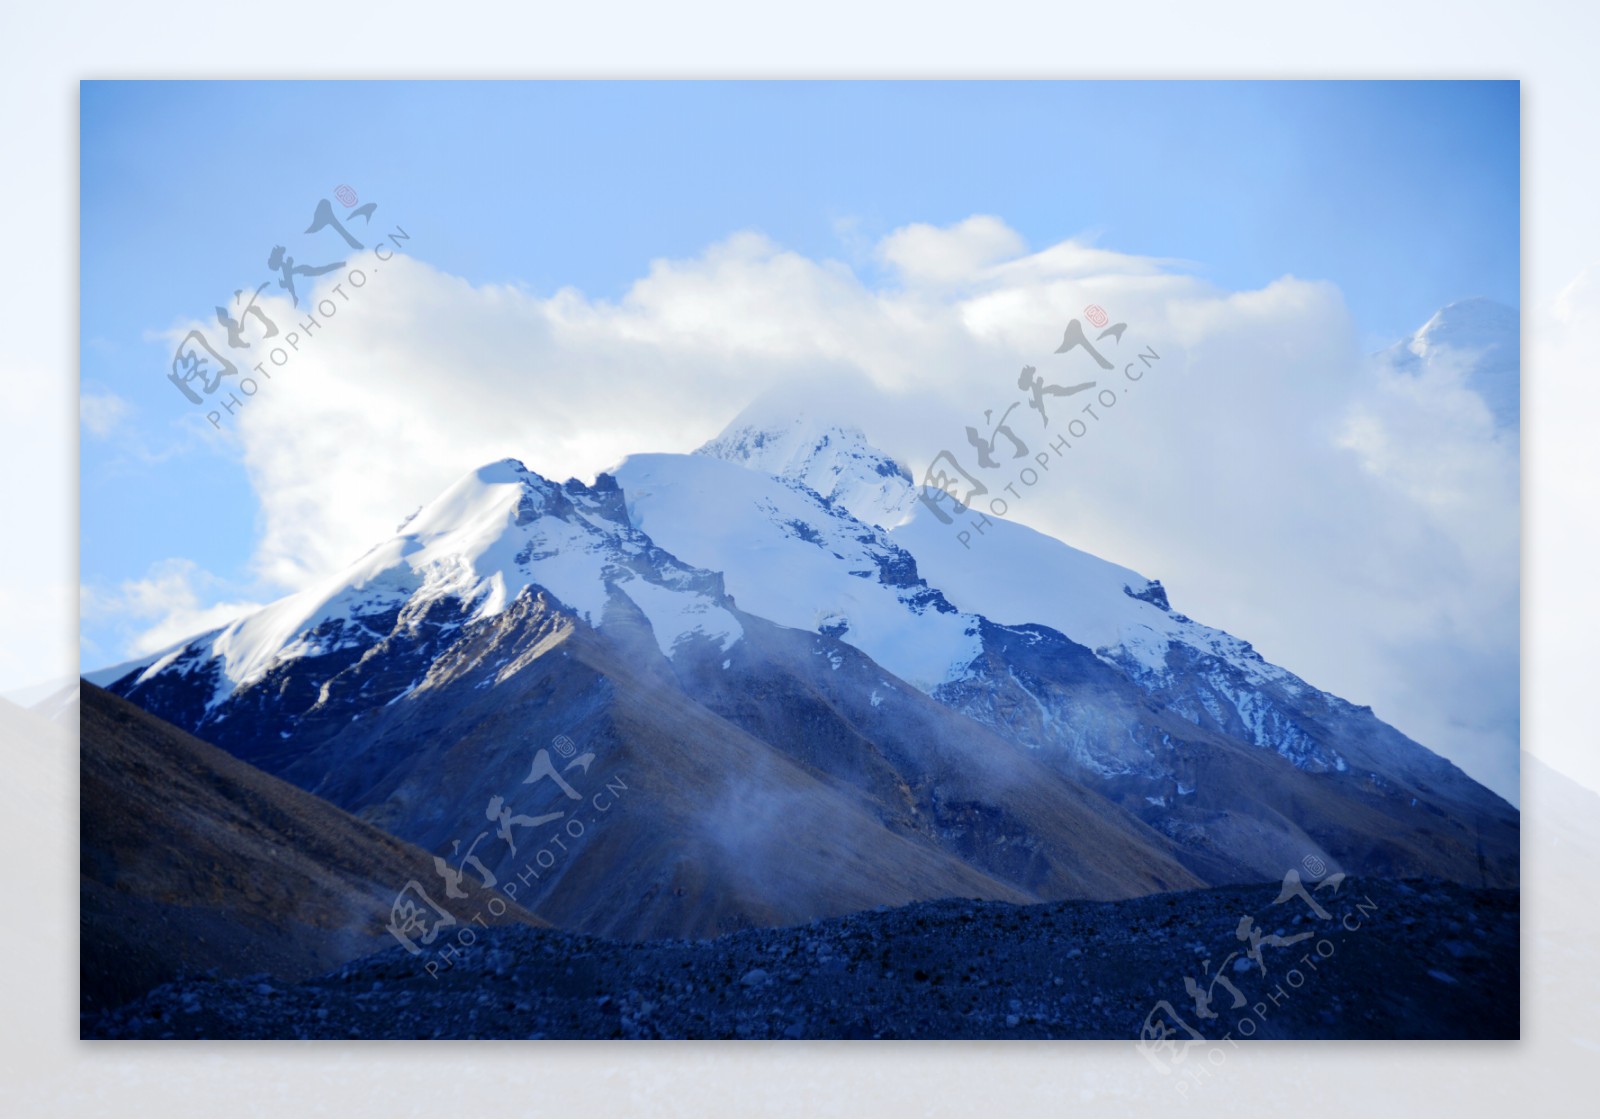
{"x": 1415, "y": 959}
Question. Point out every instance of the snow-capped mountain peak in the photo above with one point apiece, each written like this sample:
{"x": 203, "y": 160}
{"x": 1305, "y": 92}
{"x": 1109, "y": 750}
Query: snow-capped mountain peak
{"x": 1476, "y": 324}
{"x": 779, "y": 612}
{"x": 494, "y": 532}
{"x": 834, "y": 459}
{"x": 1481, "y": 337}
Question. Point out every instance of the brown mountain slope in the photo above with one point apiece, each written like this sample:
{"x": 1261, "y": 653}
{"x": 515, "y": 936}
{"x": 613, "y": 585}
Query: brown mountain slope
{"x": 192, "y": 860}
{"x": 724, "y": 822}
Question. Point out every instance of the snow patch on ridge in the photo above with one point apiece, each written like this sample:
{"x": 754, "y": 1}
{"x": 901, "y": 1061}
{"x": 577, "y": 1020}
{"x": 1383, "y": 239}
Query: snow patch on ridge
{"x": 789, "y": 556}
{"x": 675, "y": 616}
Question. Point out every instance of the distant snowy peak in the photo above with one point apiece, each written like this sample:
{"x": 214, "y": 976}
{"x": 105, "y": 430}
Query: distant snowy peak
{"x": 1483, "y": 335}
{"x": 1476, "y": 324}
{"x": 831, "y": 458}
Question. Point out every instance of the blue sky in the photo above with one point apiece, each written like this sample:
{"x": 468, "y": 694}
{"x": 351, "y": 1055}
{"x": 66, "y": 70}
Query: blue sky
{"x": 1404, "y": 195}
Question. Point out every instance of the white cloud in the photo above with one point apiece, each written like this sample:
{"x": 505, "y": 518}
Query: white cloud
{"x": 163, "y": 608}
{"x": 101, "y": 412}
{"x": 925, "y": 254}
{"x": 1359, "y": 528}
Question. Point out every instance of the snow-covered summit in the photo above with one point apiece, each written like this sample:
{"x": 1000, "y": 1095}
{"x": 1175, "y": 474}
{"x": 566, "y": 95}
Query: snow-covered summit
{"x": 799, "y": 444}
{"x": 1478, "y": 324}
{"x": 836, "y": 565}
